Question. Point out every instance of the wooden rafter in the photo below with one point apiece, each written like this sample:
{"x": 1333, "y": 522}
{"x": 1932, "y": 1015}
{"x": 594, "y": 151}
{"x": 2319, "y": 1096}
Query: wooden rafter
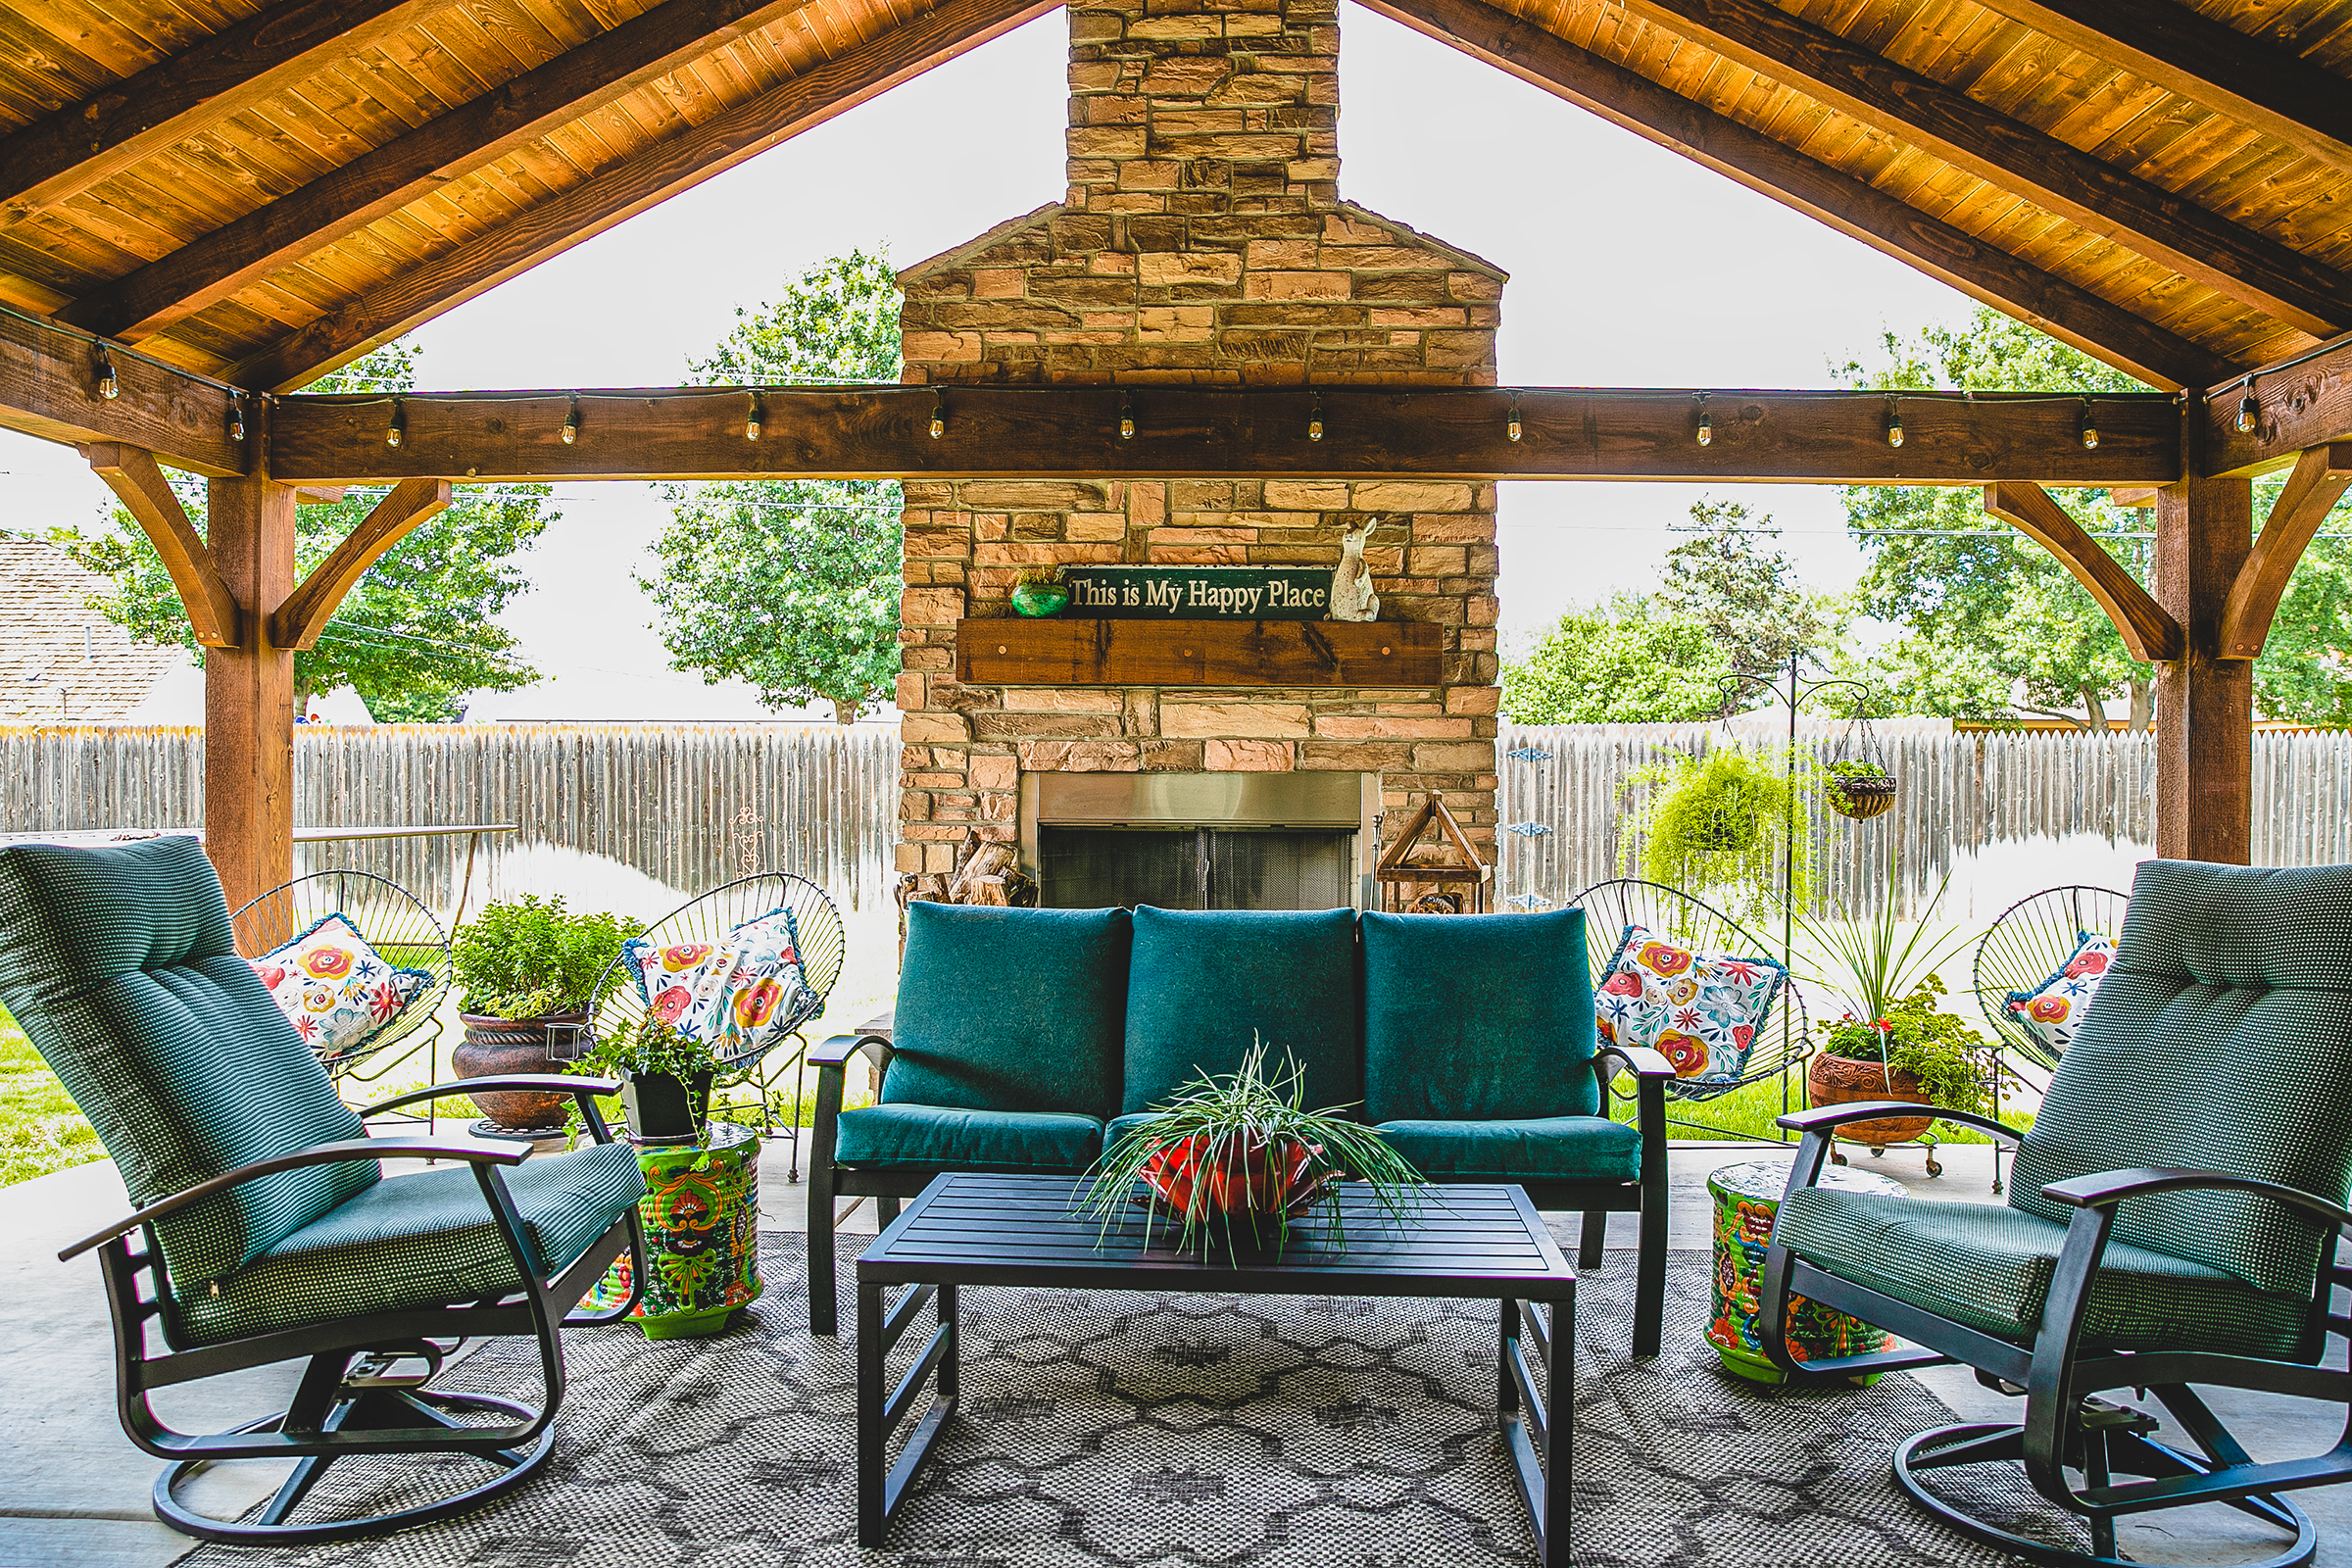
{"x": 2148, "y": 630}
{"x": 81, "y": 144}
{"x": 304, "y": 615}
{"x": 2302, "y": 404}
{"x": 2208, "y": 61}
{"x": 388, "y": 177}
{"x": 662, "y": 171}
{"x": 2015, "y": 156}
{"x": 2319, "y": 481}
{"x": 1854, "y": 207}
{"x": 1206, "y": 432}
{"x": 49, "y": 388}
{"x": 132, "y": 476}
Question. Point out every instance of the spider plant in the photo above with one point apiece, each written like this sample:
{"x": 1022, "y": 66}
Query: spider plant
{"x": 1240, "y": 1155}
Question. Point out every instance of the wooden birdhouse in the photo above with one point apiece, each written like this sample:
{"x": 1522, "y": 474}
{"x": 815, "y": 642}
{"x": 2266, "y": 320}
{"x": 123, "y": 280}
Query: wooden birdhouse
{"x": 1443, "y": 876}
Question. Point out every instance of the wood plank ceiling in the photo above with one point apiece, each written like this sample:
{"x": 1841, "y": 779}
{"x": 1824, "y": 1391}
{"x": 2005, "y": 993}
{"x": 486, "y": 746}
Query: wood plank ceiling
{"x": 263, "y": 191}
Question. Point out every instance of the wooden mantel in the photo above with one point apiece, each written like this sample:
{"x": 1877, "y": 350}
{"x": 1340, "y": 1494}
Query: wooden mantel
{"x": 1061, "y": 651}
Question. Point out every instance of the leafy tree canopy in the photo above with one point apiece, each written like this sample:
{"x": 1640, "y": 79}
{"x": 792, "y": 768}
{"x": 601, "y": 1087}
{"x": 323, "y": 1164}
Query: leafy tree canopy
{"x": 415, "y": 634}
{"x": 1748, "y": 598}
{"x": 792, "y": 584}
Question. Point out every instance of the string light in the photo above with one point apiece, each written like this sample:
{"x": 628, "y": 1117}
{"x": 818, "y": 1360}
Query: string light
{"x": 572, "y": 421}
{"x": 1894, "y": 422}
{"x": 1513, "y": 429}
{"x": 1706, "y": 422}
{"x": 2091, "y": 429}
{"x": 1126, "y": 416}
{"x": 939, "y": 414}
{"x": 758, "y": 418}
{"x": 237, "y": 417}
{"x": 398, "y": 431}
{"x": 109, "y": 389}
{"x": 2249, "y": 412}
{"x": 1314, "y": 419}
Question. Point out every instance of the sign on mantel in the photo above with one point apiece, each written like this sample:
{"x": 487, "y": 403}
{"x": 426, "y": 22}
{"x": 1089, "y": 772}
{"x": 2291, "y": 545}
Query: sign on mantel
{"x": 1200, "y": 593}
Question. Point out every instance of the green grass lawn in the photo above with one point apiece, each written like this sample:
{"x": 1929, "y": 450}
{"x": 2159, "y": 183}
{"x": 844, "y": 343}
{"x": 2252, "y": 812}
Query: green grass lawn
{"x": 40, "y": 1131}
{"x": 1750, "y": 1112}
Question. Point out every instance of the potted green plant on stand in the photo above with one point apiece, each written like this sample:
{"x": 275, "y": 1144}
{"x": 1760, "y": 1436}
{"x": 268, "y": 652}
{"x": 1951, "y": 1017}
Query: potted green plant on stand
{"x": 665, "y": 1080}
{"x": 526, "y": 970}
{"x": 1235, "y": 1162}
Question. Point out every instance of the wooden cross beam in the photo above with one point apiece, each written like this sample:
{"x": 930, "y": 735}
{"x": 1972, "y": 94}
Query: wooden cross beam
{"x": 50, "y": 387}
{"x": 2148, "y": 630}
{"x": 298, "y": 621}
{"x": 1202, "y": 432}
{"x": 131, "y": 474}
{"x": 2312, "y": 491}
{"x": 2301, "y": 403}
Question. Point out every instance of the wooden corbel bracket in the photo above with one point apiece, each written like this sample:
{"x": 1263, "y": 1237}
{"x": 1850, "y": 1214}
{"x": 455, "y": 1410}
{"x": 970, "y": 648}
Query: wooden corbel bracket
{"x": 306, "y": 612}
{"x": 2312, "y": 491}
{"x": 131, "y": 474}
{"x": 2148, "y": 630}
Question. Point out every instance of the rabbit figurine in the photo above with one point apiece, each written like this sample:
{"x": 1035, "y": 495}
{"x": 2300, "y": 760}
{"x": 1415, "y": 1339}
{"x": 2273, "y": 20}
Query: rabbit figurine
{"x": 1352, "y": 594}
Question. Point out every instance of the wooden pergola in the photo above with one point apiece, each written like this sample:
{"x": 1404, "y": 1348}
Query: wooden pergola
{"x": 203, "y": 208}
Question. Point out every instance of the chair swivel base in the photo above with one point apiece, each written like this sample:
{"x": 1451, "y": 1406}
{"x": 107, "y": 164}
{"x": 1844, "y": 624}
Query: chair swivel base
{"x": 1988, "y": 1443}
{"x": 378, "y": 1410}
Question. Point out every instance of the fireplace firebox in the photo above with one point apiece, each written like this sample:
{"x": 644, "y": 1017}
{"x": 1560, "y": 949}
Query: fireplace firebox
{"x": 1200, "y": 841}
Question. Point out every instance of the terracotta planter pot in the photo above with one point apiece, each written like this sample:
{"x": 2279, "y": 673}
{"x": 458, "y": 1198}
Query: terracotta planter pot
{"x": 494, "y": 1046}
{"x": 1843, "y": 1081}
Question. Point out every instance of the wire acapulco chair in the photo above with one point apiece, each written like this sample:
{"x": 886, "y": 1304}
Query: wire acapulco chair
{"x": 2023, "y": 949}
{"x": 1610, "y": 906}
{"x": 402, "y": 930}
{"x": 824, "y": 946}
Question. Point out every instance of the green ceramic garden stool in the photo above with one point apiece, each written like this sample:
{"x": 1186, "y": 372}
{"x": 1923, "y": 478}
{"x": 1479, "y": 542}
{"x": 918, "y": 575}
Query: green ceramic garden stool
{"x": 701, "y": 1211}
{"x": 1747, "y": 1198}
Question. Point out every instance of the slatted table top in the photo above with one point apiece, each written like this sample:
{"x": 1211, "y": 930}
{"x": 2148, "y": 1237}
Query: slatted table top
{"x": 966, "y": 1228}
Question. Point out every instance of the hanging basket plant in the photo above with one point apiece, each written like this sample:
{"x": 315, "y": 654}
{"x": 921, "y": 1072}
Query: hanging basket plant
{"x": 1860, "y": 790}
{"x": 1720, "y": 820}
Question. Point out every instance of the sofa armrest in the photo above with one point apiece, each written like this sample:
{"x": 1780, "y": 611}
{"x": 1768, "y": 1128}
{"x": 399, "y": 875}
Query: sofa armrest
{"x": 1640, "y": 1060}
{"x": 583, "y": 1091}
{"x": 2110, "y": 1188}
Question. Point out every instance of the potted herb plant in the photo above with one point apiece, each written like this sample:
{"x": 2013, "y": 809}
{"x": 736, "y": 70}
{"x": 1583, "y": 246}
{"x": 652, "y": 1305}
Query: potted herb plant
{"x": 1237, "y": 1160}
{"x": 665, "y": 1080}
{"x": 527, "y": 972}
{"x": 1040, "y": 591}
{"x": 1722, "y": 820}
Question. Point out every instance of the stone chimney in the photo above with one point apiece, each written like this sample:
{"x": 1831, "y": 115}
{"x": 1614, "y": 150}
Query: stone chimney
{"x": 1202, "y": 241}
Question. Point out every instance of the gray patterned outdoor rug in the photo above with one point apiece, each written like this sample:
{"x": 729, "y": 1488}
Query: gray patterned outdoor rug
{"x": 1178, "y": 1432}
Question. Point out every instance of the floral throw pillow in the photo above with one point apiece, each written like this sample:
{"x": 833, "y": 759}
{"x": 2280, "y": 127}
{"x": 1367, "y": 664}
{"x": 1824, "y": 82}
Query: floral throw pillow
{"x": 336, "y": 990}
{"x": 740, "y": 994}
{"x": 2052, "y": 1011}
{"x": 1702, "y": 1012}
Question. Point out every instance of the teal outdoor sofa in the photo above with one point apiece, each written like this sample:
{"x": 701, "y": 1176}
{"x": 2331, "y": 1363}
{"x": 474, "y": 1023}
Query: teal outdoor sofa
{"x": 1024, "y": 1039}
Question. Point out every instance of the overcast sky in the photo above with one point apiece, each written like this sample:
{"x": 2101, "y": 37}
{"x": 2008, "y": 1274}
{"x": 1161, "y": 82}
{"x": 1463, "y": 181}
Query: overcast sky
{"x": 1629, "y": 267}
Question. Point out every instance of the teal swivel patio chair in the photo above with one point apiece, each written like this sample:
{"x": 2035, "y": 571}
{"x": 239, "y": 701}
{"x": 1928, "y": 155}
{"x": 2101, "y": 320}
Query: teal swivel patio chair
{"x": 266, "y": 1231}
{"x": 2171, "y": 1223}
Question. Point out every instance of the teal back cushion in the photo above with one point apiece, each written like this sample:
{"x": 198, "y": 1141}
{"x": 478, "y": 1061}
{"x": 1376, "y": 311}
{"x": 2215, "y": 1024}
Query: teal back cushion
{"x": 2220, "y": 1038}
{"x": 121, "y": 966}
{"x": 1476, "y": 1017}
{"x": 1205, "y": 982}
{"x": 1010, "y": 1010}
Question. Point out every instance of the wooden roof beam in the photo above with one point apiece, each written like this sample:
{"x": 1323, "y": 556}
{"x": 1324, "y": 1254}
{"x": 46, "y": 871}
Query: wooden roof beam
{"x": 2184, "y": 50}
{"x": 2300, "y": 403}
{"x": 629, "y": 187}
{"x": 49, "y": 388}
{"x": 2148, "y": 630}
{"x": 2099, "y": 328}
{"x": 81, "y": 144}
{"x": 1209, "y": 432}
{"x": 2312, "y": 491}
{"x": 386, "y": 178}
{"x": 2016, "y": 158}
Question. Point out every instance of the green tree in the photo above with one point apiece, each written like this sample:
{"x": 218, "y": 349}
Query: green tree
{"x": 1626, "y": 662}
{"x": 1748, "y": 598}
{"x": 416, "y": 633}
{"x": 792, "y": 584}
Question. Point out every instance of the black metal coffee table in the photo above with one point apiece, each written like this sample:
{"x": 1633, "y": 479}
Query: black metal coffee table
{"x": 1475, "y": 1243}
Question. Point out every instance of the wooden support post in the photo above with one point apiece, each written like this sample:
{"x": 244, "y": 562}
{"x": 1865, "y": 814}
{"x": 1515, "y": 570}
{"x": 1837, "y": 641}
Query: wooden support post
{"x": 2204, "y": 701}
{"x": 249, "y": 694}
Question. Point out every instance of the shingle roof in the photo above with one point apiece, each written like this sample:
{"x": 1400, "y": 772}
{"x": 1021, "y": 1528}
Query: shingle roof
{"x": 60, "y": 659}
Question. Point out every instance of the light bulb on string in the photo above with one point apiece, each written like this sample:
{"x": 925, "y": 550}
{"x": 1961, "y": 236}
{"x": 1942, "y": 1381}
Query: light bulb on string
{"x": 1706, "y": 424}
{"x": 1126, "y": 416}
{"x": 398, "y": 431}
{"x": 2091, "y": 429}
{"x": 1894, "y": 422}
{"x": 571, "y": 420}
{"x": 237, "y": 417}
{"x": 939, "y": 414}
{"x": 1512, "y": 427}
{"x": 108, "y": 387}
{"x": 1314, "y": 419}
{"x": 2249, "y": 412}
{"x": 754, "y": 425}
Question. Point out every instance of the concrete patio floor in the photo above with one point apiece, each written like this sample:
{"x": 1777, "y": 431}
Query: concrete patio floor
{"x": 75, "y": 1492}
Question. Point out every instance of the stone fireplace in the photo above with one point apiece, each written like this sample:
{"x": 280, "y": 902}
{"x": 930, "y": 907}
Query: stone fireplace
{"x": 1202, "y": 241}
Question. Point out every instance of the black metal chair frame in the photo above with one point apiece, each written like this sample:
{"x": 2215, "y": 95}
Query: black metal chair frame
{"x": 1794, "y": 1024}
{"x": 1597, "y": 1199}
{"x": 2007, "y": 961}
{"x": 2066, "y": 1426}
{"x": 341, "y": 1409}
{"x": 711, "y": 914}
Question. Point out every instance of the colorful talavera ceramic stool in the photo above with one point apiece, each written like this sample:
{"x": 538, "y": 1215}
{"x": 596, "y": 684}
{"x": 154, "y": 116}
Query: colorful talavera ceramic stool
{"x": 1746, "y": 1198}
{"x": 701, "y": 1235}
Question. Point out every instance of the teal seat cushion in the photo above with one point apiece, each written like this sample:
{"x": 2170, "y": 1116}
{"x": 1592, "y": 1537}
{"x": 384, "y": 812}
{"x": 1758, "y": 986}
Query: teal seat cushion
{"x": 953, "y": 1138}
{"x": 2220, "y": 1039}
{"x": 1476, "y": 1017}
{"x": 1204, "y": 984}
{"x": 121, "y": 965}
{"x": 414, "y": 1241}
{"x": 1990, "y": 1267}
{"x": 1010, "y": 1010}
{"x": 1546, "y": 1148}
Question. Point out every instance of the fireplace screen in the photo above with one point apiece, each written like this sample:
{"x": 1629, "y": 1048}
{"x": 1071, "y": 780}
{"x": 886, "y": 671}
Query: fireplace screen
{"x": 1194, "y": 841}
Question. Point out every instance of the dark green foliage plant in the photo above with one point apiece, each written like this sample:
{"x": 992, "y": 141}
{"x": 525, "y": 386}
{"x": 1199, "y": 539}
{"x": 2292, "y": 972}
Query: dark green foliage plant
{"x": 528, "y": 957}
{"x": 1954, "y": 1065}
{"x": 652, "y": 1048}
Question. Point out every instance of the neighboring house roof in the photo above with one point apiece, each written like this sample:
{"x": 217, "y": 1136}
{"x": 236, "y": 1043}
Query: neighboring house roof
{"x": 61, "y": 662}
